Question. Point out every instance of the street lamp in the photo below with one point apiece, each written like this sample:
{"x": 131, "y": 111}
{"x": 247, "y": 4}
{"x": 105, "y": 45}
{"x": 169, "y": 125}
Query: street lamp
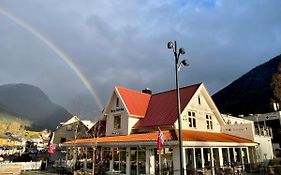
{"x": 178, "y": 64}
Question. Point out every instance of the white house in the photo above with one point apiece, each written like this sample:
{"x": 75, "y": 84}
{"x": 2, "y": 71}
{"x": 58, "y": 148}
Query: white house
{"x": 132, "y": 119}
{"x": 245, "y": 128}
{"x": 272, "y": 120}
{"x": 66, "y": 131}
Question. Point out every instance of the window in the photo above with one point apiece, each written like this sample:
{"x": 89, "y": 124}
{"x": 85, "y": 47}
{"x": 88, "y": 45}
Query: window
{"x": 199, "y": 100}
{"x": 119, "y": 159}
{"x": 69, "y": 127}
{"x": 191, "y": 119}
{"x": 117, "y": 122}
{"x": 62, "y": 139}
{"x": 117, "y": 102}
{"x": 209, "y": 122}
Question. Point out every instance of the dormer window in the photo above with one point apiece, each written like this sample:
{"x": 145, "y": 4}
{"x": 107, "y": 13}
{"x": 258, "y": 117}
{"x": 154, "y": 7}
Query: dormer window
{"x": 117, "y": 102}
{"x": 117, "y": 122}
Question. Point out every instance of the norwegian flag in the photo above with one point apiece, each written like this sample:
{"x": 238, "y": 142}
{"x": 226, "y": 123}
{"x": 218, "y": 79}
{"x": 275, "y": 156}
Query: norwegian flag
{"x": 160, "y": 140}
{"x": 52, "y": 148}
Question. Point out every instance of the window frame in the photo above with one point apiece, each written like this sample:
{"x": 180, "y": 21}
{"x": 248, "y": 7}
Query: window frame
{"x": 117, "y": 122}
{"x": 192, "y": 123}
{"x": 117, "y": 103}
{"x": 209, "y": 122}
{"x": 63, "y": 139}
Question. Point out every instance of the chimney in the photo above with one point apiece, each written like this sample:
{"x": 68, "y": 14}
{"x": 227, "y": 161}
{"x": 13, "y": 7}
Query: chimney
{"x": 147, "y": 91}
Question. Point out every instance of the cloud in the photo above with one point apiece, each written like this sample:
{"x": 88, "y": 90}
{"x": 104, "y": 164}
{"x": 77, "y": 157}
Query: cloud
{"x": 124, "y": 43}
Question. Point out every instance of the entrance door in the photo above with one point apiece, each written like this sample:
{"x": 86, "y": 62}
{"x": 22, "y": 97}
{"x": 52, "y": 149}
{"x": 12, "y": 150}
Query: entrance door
{"x": 119, "y": 159}
{"x": 137, "y": 160}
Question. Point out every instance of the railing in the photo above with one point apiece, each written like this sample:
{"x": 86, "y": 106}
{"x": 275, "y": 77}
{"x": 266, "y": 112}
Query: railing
{"x": 230, "y": 170}
{"x": 10, "y": 169}
{"x": 25, "y": 166}
{"x": 263, "y": 131}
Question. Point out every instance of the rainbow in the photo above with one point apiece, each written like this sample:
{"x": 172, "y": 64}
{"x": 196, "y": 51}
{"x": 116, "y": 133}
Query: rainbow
{"x": 58, "y": 51}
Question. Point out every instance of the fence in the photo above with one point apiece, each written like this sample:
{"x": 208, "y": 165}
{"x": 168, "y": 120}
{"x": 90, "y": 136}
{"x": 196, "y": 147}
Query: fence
{"x": 23, "y": 166}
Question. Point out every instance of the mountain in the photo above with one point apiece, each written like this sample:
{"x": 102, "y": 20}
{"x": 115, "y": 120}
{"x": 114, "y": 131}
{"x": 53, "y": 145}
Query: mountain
{"x": 254, "y": 92}
{"x": 31, "y": 103}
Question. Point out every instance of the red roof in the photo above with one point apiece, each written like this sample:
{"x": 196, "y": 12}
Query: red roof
{"x": 99, "y": 129}
{"x": 187, "y": 135}
{"x": 162, "y": 108}
{"x": 201, "y": 136}
{"x": 135, "y": 101}
{"x": 152, "y": 136}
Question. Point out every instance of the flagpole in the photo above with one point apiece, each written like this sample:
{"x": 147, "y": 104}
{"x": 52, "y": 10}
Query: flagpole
{"x": 94, "y": 160}
{"x": 160, "y": 164}
{"x": 160, "y": 144}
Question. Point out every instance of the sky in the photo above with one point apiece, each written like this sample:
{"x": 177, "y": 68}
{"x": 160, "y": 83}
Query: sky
{"x": 55, "y": 44}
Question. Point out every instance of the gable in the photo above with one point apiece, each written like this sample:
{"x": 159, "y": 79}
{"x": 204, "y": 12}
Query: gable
{"x": 201, "y": 114}
{"x": 123, "y": 110}
{"x": 71, "y": 120}
{"x": 212, "y": 105}
{"x": 115, "y": 104}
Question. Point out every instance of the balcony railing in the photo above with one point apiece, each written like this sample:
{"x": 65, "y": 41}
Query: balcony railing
{"x": 263, "y": 131}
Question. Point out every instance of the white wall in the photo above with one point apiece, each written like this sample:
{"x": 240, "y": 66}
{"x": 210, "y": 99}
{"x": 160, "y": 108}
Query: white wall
{"x": 127, "y": 122}
{"x": 234, "y": 120}
{"x": 111, "y": 111}
{"x": 201, "y": 111}
{"x": 245, "y": 130}
{"x": 131, "y": 122}
{"x": 264, "y": 148}
{"x": 176, "y": 161}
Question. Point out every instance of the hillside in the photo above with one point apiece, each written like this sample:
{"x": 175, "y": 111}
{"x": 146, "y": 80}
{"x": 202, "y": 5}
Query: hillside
{"x": 254, "y": 92}
{"x": 31, "y": 104}
{"x": 11, "y": 123}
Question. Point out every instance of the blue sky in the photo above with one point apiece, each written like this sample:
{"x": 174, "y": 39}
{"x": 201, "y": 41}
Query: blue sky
{"x": 124, "y": 43}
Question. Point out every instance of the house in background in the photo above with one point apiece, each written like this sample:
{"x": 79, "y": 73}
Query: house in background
{"x": 69, "y": 130}
{"x": 131, "y": 120}
{"x": 247, "y": 129}
{"x": 272, "y": 120}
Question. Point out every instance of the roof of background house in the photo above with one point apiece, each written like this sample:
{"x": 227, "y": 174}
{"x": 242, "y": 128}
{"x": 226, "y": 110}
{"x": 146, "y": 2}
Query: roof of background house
{"x": 162, "y": 108}
{"x": 98, "y": 129}
{"x": 136, "y": 102}
{"x": 169, "y": 135}
{"x": 88, "y": 123}
{"x": 71, "y": 120}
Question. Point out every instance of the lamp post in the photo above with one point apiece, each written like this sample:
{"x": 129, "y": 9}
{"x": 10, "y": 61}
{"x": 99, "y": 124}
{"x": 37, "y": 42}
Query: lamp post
{"x": 177, "y": 53}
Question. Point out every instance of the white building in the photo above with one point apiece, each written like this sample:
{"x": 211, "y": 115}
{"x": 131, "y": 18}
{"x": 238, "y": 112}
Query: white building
{"x": 245, "y": 128}
{"x": 272, "y": 120}
{"x": 132, "y": 119}
{"x": 66, "y": 131}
